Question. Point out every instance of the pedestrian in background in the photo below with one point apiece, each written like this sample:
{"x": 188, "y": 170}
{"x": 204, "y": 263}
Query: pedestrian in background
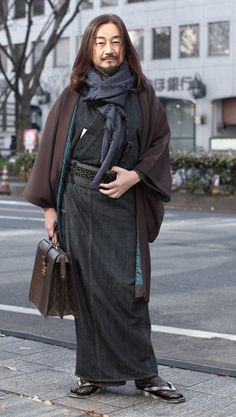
{"x": 101, "y": 175}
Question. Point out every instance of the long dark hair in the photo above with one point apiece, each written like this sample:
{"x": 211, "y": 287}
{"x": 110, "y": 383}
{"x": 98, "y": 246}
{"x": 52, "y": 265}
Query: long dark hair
{"x": 84, "y": 58}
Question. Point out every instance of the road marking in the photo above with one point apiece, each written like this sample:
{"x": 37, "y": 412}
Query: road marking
{"x": 36, "y": 219}
{"x": 193, "y": 333}
{"x": 20, "y": 232}
{"x": 17, "y": 309}
{"x": 155, "y": 328}
{"x": 14, "y": 202}
{"x": 16, "y": 209}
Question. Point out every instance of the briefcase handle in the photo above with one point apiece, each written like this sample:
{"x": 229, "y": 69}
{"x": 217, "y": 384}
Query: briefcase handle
{"x": 63, "y": 258}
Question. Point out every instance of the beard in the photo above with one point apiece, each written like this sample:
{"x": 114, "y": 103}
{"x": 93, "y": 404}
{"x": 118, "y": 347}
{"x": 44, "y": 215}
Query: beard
{"x": 109, "y": 70}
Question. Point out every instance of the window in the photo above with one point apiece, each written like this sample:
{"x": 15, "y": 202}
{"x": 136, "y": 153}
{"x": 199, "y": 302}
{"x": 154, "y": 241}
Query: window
{"x": 19, "y": 9}
{"x": 38, "y": 7}
{"x": 18, "y": 51}
{"x": 87, "y": 4}
{"x": 37, "y": 51}
{"x": 180, "y": 114}
{"x": 78, "y": 42}
{"x": 3, "y": 58}
{"x": 137, "y": 38}
{"x": 109, "y": 3}
{"x": 189, "y": 41}
{"x": 61, "y": 53}
{"x": 3, "y": 10}
{"x": 161, "y": 42}
{"x": 218, "y": 38}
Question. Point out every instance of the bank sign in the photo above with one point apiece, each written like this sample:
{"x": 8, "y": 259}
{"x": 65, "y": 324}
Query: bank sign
{"x": 172, "y": 84}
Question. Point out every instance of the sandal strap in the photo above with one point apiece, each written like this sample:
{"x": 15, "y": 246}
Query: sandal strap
{"x": 154, "y": 388}
{"x": 83, "y": 384}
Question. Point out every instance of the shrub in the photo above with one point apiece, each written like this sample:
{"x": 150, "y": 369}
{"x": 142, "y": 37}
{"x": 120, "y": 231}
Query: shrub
{"x": 10, "y": 166}
{"x": 24, "y": 164}
{"x": 204, "y": 173}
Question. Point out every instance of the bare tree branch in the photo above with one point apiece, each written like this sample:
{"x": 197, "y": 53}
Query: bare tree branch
{"x": 22, "y": 57}
{"x": 23, "y": 83}
{"x": 51, "y": 4}
{"x": 4, "y": 49}
{"x": 9, "y": 82}
{"x": 4, "y": 95}
{"x": 6, "y": 29}
{"x": 52, "y": 41}
{"x": 40, "y": 36}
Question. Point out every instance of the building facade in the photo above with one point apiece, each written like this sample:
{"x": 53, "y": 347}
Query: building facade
{"x": 187, "y": 52}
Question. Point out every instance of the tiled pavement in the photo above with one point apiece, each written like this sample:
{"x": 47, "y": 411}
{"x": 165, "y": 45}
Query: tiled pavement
{"x": 35, "y": 380}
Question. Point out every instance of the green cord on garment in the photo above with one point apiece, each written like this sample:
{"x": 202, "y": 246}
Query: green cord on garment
{"x": 63, "y": 174}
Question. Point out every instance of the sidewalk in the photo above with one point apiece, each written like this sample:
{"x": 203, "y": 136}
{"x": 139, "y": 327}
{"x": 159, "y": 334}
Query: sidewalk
{"x": 35, "y": 380}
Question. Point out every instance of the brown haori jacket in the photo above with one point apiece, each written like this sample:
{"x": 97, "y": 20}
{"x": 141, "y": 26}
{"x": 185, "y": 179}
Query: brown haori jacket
{"x": 153, "y": 163}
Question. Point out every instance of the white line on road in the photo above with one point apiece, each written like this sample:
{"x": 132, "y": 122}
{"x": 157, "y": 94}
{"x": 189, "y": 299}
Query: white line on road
{"x": 155, "y": 328}
{"x": 19, "y": 232}
{"x": 35, "y": 219}
{"x": 14, "y": 202}
{"x": 193, "y": 333}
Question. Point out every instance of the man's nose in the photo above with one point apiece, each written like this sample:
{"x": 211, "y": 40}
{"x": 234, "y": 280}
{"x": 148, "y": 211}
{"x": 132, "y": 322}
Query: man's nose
{"x": 108, "y": 48}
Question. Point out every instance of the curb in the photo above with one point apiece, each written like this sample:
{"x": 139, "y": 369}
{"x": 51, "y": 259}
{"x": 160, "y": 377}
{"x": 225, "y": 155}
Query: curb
{"x": 171, "y": 362}
{"x": 217, "y": 203}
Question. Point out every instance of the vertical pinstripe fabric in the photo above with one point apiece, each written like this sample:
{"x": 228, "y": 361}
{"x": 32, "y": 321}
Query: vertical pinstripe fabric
{"x": 64, "y": 169}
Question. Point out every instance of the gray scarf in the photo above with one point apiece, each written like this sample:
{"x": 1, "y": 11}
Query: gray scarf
{"x": 109, "y": 94}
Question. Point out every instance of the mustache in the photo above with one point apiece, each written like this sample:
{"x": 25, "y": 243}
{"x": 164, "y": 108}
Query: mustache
{"x": 107, "y": 56}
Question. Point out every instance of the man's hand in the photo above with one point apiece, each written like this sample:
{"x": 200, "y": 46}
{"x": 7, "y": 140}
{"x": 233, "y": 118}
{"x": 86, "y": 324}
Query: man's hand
{"x": 51, "y": 223}
{"x": 124, "y": 181}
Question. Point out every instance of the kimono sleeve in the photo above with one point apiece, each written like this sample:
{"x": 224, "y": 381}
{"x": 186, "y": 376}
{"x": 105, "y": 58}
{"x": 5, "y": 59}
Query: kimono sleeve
{"x": 39, "y": 189}
{"x": 154, "y": 162}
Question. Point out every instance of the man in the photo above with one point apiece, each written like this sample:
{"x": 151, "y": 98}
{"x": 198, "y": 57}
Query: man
{"x": 101, "y": 174}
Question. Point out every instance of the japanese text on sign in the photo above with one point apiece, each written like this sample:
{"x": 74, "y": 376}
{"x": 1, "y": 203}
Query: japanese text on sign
{"x": 172, "y": 83}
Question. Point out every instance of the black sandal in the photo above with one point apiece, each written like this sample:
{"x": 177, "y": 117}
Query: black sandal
{"x": 156, "y": 387}
{"x": 83, "y": 389}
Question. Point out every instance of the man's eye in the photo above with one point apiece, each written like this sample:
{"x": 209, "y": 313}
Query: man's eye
{"x": 100, "y": 43}
{"x": 116, "y": 43}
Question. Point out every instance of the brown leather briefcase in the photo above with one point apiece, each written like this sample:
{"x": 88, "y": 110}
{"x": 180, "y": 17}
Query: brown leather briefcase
{"x": 52, "y": 289}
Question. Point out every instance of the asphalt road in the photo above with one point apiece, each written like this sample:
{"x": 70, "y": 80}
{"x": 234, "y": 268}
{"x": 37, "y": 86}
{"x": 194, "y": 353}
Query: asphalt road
{"x": 193, "y": 283}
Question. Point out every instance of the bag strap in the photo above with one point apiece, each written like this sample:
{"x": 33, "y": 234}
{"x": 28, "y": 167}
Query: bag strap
{"x": 63, "y": 262}
{"x": 63, "y": 259}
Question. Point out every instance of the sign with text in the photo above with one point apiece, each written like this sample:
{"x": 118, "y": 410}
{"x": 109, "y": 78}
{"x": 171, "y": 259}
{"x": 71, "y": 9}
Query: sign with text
{"x": 30, "y": 139}
{"x": 172, "y": 84}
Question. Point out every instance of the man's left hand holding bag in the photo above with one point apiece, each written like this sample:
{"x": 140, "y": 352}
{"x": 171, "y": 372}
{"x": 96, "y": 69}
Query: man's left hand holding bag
{"x": 50, "y": 215}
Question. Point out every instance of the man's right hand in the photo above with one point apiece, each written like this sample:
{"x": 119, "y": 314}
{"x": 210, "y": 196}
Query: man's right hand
{"x": 50, "y": 215}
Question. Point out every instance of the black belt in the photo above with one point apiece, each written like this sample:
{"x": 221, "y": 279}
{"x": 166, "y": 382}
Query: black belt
{"x": 84, "y": 174}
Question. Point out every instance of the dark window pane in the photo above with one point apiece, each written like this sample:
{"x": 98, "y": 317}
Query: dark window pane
{"x": 87, "y": 4}
{"x": 189, "y": 41}
{"x": 180, "y": 114}
{"x": 3, "y": 10}
{"x": 219, "y": 38}
{"x": 109, "y": 3}
{"x": 19, "y": 9}
{"x": 137, "y": 38}
{"x": 62, "y": 53}
{"x": 37, "y": 52}
{"x": 3, "y": 58}
{"x": 38, "y": 7}
{"x": 18, "y": 51}
{"x": 161, "y": 42}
